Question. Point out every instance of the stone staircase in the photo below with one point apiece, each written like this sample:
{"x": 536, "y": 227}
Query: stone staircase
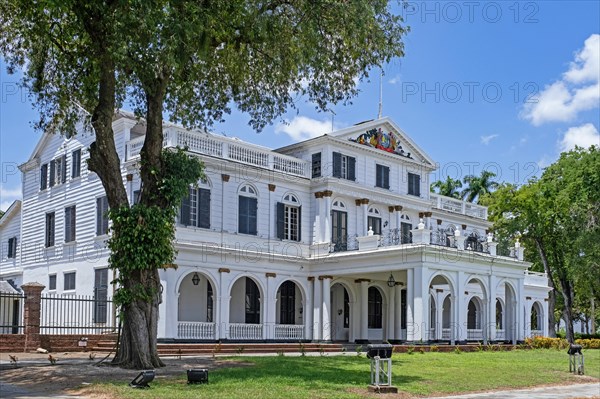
{"x": 183, "y": 349}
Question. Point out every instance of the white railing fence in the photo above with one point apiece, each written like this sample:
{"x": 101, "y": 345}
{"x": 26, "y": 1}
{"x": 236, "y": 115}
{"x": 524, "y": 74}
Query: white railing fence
{"x": 289, "y": 332}
{"x": 196, "y": 330}
{"x": 475, "y": 334}
{"x": 245, "y": 331}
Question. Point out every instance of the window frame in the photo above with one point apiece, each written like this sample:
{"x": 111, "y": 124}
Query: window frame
{"x": 50, "y": 281}
{"x": 70, "y": 224}
{"x": 247, "y": 210}
{"x": 50, "y": 232}
{"x": 76, "y": 163}
{"x": 12, "y": 248}
{"x": 375, "y": 308}
{"x": 414, "y": 184}
{"x": 102, "y": 208}
{"x": 382, "y": 176}
{"x": 67, "y": 280}
{"x": 44, "y": 177}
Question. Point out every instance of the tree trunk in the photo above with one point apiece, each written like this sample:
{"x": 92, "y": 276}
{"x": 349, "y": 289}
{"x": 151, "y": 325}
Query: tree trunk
{"x": 552, "y": 294}
{"x": 568, "y": 310}
{"x": 138, "y": 346}
{"x": 593, "y": 312}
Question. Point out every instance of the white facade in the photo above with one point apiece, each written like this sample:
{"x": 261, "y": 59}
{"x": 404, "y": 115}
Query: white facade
{"x": 290, "y": 244}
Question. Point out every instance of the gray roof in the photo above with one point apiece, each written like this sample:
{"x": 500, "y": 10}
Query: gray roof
{"x": 6, "y": 288}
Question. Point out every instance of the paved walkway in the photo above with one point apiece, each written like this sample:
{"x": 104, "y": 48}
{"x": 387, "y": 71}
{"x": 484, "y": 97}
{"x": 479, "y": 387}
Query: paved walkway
{"x": 557, "y": 392}
{"x": 9, "y": 391}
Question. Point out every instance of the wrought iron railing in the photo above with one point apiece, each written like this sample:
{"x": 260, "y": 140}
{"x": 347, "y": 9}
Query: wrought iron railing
{"x": 76, "y": 315}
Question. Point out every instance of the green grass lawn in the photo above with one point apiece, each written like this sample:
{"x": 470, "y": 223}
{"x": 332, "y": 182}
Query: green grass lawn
{"x": 348, "y": 376}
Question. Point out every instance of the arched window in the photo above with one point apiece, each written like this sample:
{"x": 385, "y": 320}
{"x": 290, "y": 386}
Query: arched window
{"x": 252, "y": 302}
{"x": 375, "y": 308}
{"x": 287, "y": 296}
{"x": 247, "y": 210}
{"x": 339, "y": 226}
{"x": 474, "y": 314}
{"x": 288, "y": 218}
{"x": 374, "y": 220}
{"x": 405, "y": 228}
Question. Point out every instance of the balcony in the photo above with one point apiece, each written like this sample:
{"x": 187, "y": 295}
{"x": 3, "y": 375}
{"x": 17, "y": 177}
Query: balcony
{"x": 458, "y": 206}
{"x": 536, "y": 279}
{"x": 225, "y": 148}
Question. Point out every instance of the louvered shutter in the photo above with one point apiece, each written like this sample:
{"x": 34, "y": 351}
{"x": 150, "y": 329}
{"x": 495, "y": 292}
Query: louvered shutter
{"x": 280, "y": 219}
{"x": 351, "y": 168}
{"x": 337, "y": 164}
{"x": 204, "y": 208}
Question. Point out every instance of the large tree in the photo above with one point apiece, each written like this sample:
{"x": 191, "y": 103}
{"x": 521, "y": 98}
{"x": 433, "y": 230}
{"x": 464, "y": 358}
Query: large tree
{"x": 559, "y": 216}
{"x": 194, "y": 60}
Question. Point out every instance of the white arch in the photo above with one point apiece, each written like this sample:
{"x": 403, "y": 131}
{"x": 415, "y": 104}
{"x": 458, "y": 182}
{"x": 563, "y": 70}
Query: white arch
{"x": 291, "y": 198}
{"x": 248, "y": 190}
{"x": 348, "y": 287}
{"x": 254, "y": 278}
{"x": 338, "y": 204}
{"x": 204, "y": 272}
{"x": 448, "y": 277}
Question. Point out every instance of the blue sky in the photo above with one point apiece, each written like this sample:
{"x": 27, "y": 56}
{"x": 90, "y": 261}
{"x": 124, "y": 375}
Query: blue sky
{"x": 496, "y": 85}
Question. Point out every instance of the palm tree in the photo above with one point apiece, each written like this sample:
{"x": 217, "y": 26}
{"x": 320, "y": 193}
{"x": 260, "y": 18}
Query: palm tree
{"x": 479, "y": 185}
{"x": 449, "y": 188}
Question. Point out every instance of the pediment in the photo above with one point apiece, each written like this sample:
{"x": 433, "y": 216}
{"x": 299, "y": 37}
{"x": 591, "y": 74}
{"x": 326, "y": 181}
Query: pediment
{"x": 384, "y": 135}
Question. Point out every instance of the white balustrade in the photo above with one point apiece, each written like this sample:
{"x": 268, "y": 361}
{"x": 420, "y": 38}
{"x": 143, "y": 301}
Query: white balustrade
{"x": 474, "y": 334}
{"x": 245, "y": 331}
{"x": 289, "y": 332}
{"x": 458, "y": 206}
{"x": 196, "y": 330}
{"x": 536, "y": 278}
{"x": 225, "y": 148}
{"x": 446, "y": 333}
{"x": 500, "y": 335}
{"x": 537, "y": 333}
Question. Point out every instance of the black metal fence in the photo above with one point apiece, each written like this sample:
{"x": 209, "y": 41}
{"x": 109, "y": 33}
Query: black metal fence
{"x": 11, "y": 313}
{"x": 76, "y": 314}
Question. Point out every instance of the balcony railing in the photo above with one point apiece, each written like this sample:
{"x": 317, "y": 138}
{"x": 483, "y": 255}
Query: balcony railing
{"x": 535, "y": 278}
{"x": 474, "y": 334}
{"x": 500, "y": 335}
{"x": 245, "y": 331}
{"x": 446, "y": 333}
{"x": 289, "y": 332}
{"x": 195, "y": 330}
{"x": 458, "y": 206}
{"x": 225, "y": 148}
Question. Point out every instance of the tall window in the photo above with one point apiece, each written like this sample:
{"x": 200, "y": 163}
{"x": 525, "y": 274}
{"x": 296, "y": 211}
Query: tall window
{"x": 195, "y": 208}
{"x": 252, "y": 302}
{"x": 382, "y": 176}
{"x": 52, "y": 173}
{"x": 405, "y": 228}
{"x": 374, "y": 220}
{"x": 58, "y": 170}
{"x": 100, "y": 295}
{"x": 414, "y": 184}
{"x": 76, "y": 163}
{"x": 12, "y": 247}
{"x": 248, "y": 207}
{"x": 44, "y": 176}
{"x": 69, "y": 281}
{"x": 49, "y": 239}
{"x": 287, "y": 292}
{"x": 70, "y": 224}
{"x": 344, "y": 166}
{"x": 289, "y": 218}
{"x": 339, "y": 229}
{"x": 498, "y": 315}
{"x": 101, "y": 216}
{"x": 375, "y": 308}
{"x": 316, "y": 165}
{"x": 52, "y": 282}
{"x": 209, "y": 302}
{"x": 346, "y": 309}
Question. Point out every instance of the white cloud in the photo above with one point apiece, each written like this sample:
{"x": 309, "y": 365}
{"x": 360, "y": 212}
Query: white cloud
{"x": 486, "y": 139}
{"x": 577, "y": 91}
{"x": 8, "y": 196}
{"x": 586, "y": 66}
{"x": 395, "y": 80}
{"x": 303, "y": 128}
{"x": 582, "y": 136}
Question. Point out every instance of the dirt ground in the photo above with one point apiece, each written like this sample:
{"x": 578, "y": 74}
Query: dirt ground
{"x": 74, "y": 371}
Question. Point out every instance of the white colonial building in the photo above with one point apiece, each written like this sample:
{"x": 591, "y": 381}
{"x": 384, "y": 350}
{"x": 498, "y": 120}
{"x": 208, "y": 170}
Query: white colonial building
{"x": 335, "y": 238}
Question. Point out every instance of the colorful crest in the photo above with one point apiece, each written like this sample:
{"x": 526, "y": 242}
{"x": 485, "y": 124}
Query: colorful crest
{"x": 381, "y": 140}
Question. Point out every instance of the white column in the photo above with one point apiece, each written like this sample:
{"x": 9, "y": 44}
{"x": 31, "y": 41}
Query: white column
{"x": 326, "y": 307}
{"x": 398, "y": 312}
{"x": 520, "y": 310}
{"x": 308, "y": 311}
{"x": 491, "y": 324}
{"x": 317, "y": 303}
{"x": 391, "y": 314}
{"x": 354, "y": 325}
{"x": 527, "y": 319}
{"x": 327, "y": 218}
{"x": 223, "y": 306}
{"x": 410, "y": 315}
{"x": 439, "y": 314}
{"x": 364, "y": 206}
{"x": 420, "y": 303}
{"x": 319, "y": 221}
{"x": 270, "y": 305}
{"x": 485, "y": 320}
{"x": 460, "y": 308}
{"x": 453, "y": 320}
{"x": 364, "y": 309}
{"x": 545, "y": 318}
{"x": 166, "y": 319}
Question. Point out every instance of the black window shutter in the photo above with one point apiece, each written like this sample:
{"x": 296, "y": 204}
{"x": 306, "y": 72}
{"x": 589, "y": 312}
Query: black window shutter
{"x": 44, "y": 176}
{"x": 299, "y": 223}
{"x": 63, "y": 177}
{"x": 252, "y": 215}
{"x": 184, "y": 217}
{"x": 98, "y": 216}
{"x": 351, "y": 168}
{"x": 52, "y": 172}
{"x": 337, "y": 164}
{"x": 386, "y": 177}
{"x": 417, "y": 188}
{"x": 204, "y": 208}
{"x": 280, "y": 218}
{"x": 316, "y": 164}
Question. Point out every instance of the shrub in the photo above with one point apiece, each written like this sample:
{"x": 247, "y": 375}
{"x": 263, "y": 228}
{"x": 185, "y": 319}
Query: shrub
{"x": 589, "y": 343}
{"x": 422, "y": 350}
{"x": 457, "y": 350}
{"x": 546, "y": 343}
{"x": 434, "y": 348}
{"x": 410, "y": 350}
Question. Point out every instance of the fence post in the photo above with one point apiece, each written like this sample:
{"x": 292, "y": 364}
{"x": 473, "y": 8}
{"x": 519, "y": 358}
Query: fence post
{"x": 31, "y": 314}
